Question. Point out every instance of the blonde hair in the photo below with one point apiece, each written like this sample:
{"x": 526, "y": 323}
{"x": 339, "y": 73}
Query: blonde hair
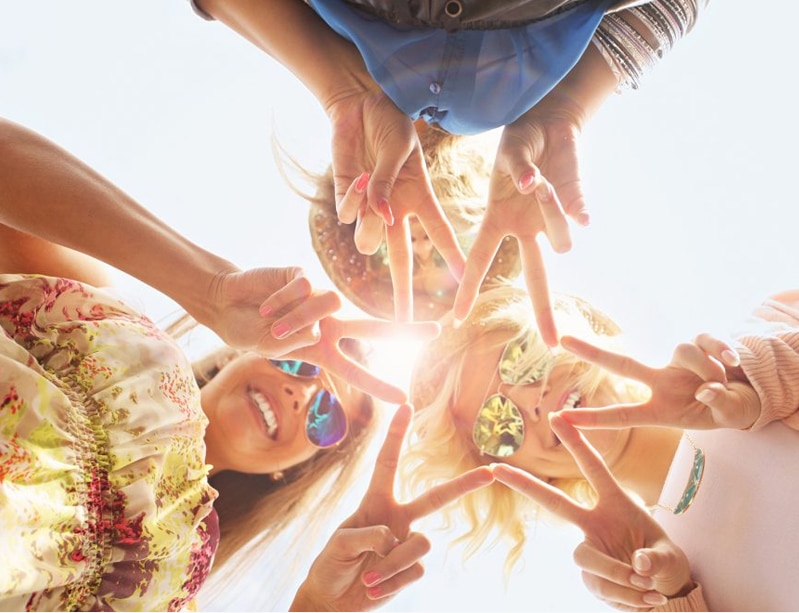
{"x": 440, "y": 448}
{"x": 253, "y": 509}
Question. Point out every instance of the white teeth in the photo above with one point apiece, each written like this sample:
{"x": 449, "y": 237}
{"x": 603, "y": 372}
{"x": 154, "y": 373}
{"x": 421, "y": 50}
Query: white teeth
{"x": 266, "y": 410}
{"x": 572, "y": 399}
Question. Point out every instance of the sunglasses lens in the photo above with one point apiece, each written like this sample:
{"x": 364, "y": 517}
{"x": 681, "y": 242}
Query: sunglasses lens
{"x": 296, "y": 368}
{"x": 516, "y": 367}
{"x": 326, "y": 424}
{"x": 499, "y": 427}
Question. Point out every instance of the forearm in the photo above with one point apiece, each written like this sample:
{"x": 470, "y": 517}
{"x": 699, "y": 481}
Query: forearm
{"x": 48, "y": 193}
{"x": 292, "y": 33}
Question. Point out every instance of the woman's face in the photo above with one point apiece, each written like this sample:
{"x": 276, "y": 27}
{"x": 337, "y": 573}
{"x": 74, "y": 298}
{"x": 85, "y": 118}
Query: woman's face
{"x": 541, "y": 452}
{"x": 257, "y": 415}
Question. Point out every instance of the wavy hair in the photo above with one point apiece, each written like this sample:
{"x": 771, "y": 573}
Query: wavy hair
{"x": 439, "y": 447}
{"x": 254, "y": 509}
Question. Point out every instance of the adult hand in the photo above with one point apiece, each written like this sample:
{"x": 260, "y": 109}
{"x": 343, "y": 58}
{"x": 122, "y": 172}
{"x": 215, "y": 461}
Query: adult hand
{"x": 269, "y": 310}
{"x": 535, "y": 185}
{"x": 373, "y": 554}
{"x": 295, "y": 320}
{"x": 327, "y": 352}
{"x": 380, "y": 181}
{"x": 626, "y": 558}
{"x": 692, "y": 392}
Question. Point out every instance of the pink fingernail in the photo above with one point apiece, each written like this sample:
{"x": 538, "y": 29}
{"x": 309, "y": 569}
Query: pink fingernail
{"x": 375, "y": 592}
{"x": 281, "y": 330}
{"x": 526, "y": 180}
{"x": 362, "y": 182}
{"x": 730, "y": 357}
{"x": 584, "y": 219}
{"x": 265, "y": 310}
{"x": 371, "y": 577}
{"x": 385, "y": 211}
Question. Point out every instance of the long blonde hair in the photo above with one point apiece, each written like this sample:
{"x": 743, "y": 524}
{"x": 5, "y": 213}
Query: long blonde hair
{"x": 253, "y": 509}
{"x": 440, "y": 447}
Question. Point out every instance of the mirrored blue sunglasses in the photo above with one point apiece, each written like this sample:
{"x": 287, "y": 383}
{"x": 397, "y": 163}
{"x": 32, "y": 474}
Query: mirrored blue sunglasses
{"x": 326, "y": 422}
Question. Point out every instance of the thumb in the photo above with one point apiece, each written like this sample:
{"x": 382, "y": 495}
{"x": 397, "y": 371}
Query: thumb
{"x": 731, "y": 407}
{"x": 665, "y": 563}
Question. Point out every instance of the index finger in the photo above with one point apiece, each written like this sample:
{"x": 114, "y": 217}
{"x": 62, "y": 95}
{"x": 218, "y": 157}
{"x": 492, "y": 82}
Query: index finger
{"x": 442, "y": 236}
{"x": 358, "y": 376}
{"x": 621, "y": 365}
{"x": 614, "y": 417}
{"x": 382, "y": 482}
{"x": 549, "y": 497}
{"x": 590, "y": 463}
{"x": 535, "y": 275}
{"x": 398, "y": 245}
{"x": 441, "y": 495}
{"x": 481, "y": 254}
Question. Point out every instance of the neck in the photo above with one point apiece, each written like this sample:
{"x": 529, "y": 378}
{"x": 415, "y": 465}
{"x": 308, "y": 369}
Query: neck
{"x": 645, "y": 463}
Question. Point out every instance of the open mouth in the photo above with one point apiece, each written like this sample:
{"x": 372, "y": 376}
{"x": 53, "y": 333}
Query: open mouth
{"x": 265, "y": 408}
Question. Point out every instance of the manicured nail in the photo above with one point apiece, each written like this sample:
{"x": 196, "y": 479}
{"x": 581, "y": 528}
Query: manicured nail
{"x": 281, "y": 330}
{"x": 375, "y": 592}
{"x": 526, "y": 180}
{"x": 385, "y": 211}
{"x": 362, "y": 182}
{"x": 706, "y": 396}
{"x": 641, "y": 561}
{"x": 731, "y": 357}
{"x": 265, "y": 310}
{"x": 656, "y": 599}
{"x": 645, "y": 583}
{"x": 371, "y": 578}
{"x": 543, "y": 194}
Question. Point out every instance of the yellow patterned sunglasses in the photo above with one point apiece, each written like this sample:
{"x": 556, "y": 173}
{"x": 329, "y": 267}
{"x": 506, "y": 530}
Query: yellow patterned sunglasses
{"x": 499, "y": 426}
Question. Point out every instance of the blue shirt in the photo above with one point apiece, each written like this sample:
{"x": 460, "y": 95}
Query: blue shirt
{"x": 467, "y": 81}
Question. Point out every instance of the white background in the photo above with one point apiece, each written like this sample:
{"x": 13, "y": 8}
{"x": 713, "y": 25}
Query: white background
{"x": 690, "y": 185}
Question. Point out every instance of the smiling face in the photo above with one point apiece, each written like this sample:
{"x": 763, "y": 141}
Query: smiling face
{"x": 539, "y": 450}
{"x": 257, "y": 415}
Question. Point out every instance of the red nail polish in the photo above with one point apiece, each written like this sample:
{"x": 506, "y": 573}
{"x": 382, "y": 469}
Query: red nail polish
{"x": 385, "y": 211}
{"x": 361, "y": 183}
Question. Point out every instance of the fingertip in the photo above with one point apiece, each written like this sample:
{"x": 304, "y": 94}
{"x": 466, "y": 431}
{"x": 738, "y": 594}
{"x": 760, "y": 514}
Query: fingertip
{"x": 731, "y": 358}
{"x": 706, "y": 395}
{"x": 641, "y": 562}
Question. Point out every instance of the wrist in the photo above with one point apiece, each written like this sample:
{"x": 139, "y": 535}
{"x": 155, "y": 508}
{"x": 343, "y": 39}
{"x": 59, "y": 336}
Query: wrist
{"x": 303, "y": 602}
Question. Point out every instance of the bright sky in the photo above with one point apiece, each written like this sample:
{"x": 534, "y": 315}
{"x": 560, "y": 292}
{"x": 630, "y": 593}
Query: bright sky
{"x": 688, "y": 182}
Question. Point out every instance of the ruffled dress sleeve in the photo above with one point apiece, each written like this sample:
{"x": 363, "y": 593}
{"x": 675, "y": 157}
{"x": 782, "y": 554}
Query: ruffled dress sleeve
{"x": 104, "y": 497}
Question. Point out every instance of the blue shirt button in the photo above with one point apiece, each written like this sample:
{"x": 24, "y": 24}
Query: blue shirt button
{"x": 435, "y": 88}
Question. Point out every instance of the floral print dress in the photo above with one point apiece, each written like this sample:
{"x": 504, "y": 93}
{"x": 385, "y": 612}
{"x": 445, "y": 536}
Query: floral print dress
{"x": 104, "y": 497}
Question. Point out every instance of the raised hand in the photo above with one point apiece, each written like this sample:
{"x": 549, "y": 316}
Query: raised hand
{"x": 380, "y": 181}
{"x": 535, "y": 185}
{"x": 373, "y": 554}
{"x": 693, "y": 391}
{"x": 276, "y": 312}
{"x": 269, "y": 310}
{"x": 627, "y": 559}
{"x": 328, "y": 354}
